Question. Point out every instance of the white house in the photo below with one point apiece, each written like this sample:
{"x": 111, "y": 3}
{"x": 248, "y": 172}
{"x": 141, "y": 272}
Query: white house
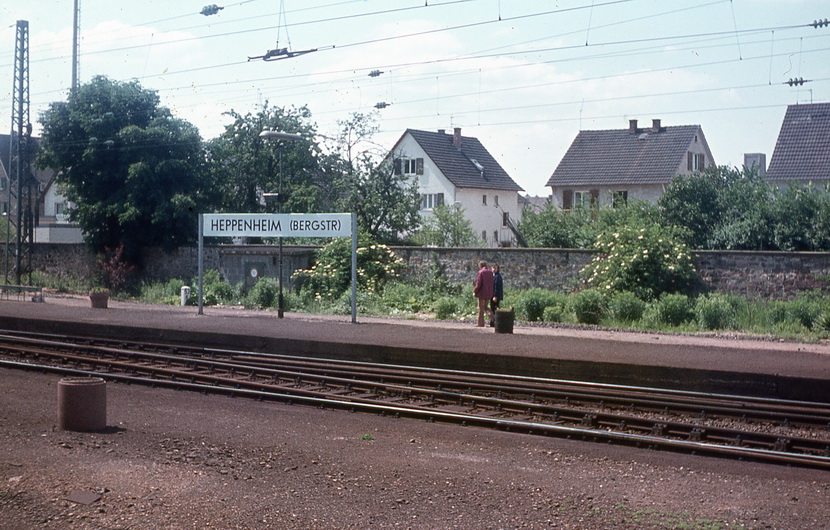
{"x": 54, "y": 225}
{"x": 455, "y": 169}
{"x": 51, "y": 220}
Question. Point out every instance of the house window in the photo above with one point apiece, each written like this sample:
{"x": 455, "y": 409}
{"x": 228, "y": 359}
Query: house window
{"x": 697, "y": 162}
{"x": 582, "y": 199}
{"x": 505, "y": 219}
{"x": 409, "y": 166}
{"x": 484, "y": 200}
{"x": 495, "y": 200}
{"x": 431, "y": 200}
{"x": 619, "y": 199}
{"x": 574, "y": 200}
{"x": 495, "y": 235}
{"x": 484, "y": 235}
{"x": 60, "y": 208}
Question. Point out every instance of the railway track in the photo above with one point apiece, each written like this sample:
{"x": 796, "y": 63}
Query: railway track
{"x": 784, "y": 432}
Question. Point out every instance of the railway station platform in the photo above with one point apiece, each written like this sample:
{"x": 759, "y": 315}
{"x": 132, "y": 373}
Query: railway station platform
{"x": 721, "y": 364}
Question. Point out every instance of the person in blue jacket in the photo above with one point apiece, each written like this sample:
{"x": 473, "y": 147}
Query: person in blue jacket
{"x": 498, "y": 294}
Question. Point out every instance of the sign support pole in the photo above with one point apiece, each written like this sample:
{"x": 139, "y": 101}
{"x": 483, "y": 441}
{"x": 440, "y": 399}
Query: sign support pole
{"x": 354, "y": 268}
{"x": 201, "y": 257}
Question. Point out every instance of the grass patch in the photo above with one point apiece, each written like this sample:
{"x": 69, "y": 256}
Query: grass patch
{"x": 806, "y": 318}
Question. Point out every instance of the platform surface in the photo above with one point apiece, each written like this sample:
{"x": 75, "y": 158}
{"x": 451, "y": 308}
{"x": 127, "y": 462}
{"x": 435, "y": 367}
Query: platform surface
{"x": 783, "y": 368}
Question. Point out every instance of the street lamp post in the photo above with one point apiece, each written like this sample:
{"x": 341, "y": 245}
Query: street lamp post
{"x": 277, "y": 135}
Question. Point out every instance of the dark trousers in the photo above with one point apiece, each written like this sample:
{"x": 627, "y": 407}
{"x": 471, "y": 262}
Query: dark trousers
{"x": 494, "y": 304}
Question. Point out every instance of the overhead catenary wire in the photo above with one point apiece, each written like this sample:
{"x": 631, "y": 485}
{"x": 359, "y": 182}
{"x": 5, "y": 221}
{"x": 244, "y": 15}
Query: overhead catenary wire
{"x": 447, "y": 90}
{"x": 524, "y": 87}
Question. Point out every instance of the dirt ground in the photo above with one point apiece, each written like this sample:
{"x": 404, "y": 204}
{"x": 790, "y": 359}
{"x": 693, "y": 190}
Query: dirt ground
{"x": 174, "y": 460}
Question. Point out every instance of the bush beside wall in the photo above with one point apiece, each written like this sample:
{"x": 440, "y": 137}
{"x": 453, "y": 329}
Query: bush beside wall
{"x": 765, "y": 275}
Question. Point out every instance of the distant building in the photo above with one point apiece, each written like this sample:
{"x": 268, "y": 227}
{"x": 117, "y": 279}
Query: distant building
{"x": 533, "y": 203}
{"x": 454, "y": 169}
{"x": 51, "y": 216}
{"x": 756, "y": 161}
{"x": 802, "y": 152}
{"x": 614, "y": 166}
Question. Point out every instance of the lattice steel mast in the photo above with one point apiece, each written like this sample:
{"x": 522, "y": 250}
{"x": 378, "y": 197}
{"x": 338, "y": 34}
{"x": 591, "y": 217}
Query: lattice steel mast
{"x": 21, "y": 202}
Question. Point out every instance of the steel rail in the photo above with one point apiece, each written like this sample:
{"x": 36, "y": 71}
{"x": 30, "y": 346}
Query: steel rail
{"x": 572, "y": 393}
{"x": 530, "y": 427}
{"x": 590, "y": 419}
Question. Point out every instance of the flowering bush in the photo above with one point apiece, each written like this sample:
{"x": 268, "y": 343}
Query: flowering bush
{"x": 331, "y": 274}
{"x": 647, "y": 261}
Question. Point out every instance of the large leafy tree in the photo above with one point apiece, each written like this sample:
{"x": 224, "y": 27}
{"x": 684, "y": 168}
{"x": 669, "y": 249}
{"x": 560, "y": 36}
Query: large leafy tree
{"x": 555, "y": 228}
{"x": 245, "y": 166}
{"x": 447, "y": 227}
{"x": 722, "y": 208}
{"x": 386, "y": 204}
{"x": 134, "y": 172}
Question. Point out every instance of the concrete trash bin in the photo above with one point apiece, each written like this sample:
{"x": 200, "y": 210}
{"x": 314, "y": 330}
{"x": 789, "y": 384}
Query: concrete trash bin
{"x": 504, "y": 320}
{"x": 82, "y": 404}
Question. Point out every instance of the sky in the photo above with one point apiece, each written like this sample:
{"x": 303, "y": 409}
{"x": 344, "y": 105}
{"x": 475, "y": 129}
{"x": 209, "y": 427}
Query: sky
{"x": 522, "y": 76}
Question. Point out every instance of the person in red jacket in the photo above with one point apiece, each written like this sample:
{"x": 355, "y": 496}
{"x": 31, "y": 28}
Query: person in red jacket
{"x": 483, "y": 291}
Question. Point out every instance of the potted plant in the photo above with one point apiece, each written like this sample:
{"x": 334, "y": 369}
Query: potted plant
{"x": 99, "y": 297}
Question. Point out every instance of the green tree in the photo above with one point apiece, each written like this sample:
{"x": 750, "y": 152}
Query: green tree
{"x": 7, "y": 232}
{"x": 745, "y": 207}
{"x": 555, "y": 228}
{"x": 691, "y": 201}
{"x": 244, "y": 166}
{"x": 802, "y": 218}
{"x": 722, "y": 208}
{"x": 134, "y": 172}
{"x": 386, "y": 204}
{"x": 446, "y": 227}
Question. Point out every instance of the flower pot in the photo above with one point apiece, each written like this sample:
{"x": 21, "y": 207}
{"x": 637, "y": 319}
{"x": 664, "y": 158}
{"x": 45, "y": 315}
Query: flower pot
{"x": 99, "y": 300}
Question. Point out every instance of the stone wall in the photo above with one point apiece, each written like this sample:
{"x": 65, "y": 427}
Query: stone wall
{"x": 771, "y": 275}
{"x": 234, "y": 262}
{"x": 521, "y": 268}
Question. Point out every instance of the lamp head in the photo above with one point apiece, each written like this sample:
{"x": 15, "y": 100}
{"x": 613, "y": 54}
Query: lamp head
{"x": 279, "y": 135}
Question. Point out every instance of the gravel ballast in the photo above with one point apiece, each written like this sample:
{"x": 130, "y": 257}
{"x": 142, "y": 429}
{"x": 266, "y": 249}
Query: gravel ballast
{"x": 173, "y": 459}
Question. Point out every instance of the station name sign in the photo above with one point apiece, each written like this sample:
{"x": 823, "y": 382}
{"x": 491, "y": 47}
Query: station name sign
{"x": 277, "y": 225}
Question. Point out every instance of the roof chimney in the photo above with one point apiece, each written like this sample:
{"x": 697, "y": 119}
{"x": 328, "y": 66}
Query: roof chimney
{"x": 632, "y": 126}
{"x": 442, "y": 131}
{"x": 456, "y": 138}
{"x": 655, "y": 126}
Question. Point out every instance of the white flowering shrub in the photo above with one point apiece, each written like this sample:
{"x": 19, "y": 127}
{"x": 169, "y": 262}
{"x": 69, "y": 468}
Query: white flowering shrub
{"x": 331, "y": 276}
{"x": 647, "y": 261}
